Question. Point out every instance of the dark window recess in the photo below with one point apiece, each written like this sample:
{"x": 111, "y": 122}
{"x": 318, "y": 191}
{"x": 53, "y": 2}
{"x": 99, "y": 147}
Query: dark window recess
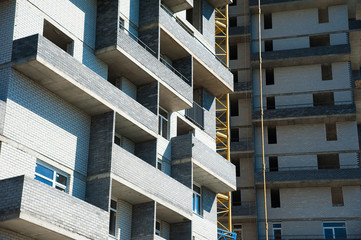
{"x": 275, "y": 198}
{"x": 320, "y": 40}
{"x": 337, "y": 196}
{"x": 323, "y": 15}
{"x": 233, "y": 52}
{"x": 268, "y": 45}
{"x": 326, "y": 71}
{"x": 117, "y": 140}
{"x": 233, "y": 21}
{"x": 236, "y": 197}
{"x": 323, "y": 99}
{"x": 234, "y": 108}
{"x": 272, "y": 135}
{"x": 331, "y": 132}
{"x": 267, "y": 21}
{"x": 194, "y": 15}
{"x": 328, "y": 161}
{"x": 235, "y": 76}
{"x": 237, "y": 165}
{"x": 234, "y": 3}
{"x": 234, "y": 134}
{"x": 273, "y": 164}
{"x": 271, "y": 103}
{"x": 270, "y": 77}
{"x": 58, "y": 37}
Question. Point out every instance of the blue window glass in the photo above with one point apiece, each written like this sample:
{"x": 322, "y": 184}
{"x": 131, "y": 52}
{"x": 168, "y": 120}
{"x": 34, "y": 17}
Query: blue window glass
{"x": 336, "y": 224}
{"x": 46, "y": 172}
{"x": 340, "y": 233}
{"x": 44, "y": 180}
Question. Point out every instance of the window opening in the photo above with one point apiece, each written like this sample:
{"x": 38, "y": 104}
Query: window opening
{"x": 197, "y": 199}
{"x": 51, "y": 177}
{"x": 158, "y": 228}
{"x": 320, "y": 40}
{"x": 194, "y": 15}
{"x": 270, "y": 79}
{"x": 233, "y": 21}
{"x": 323, "y": 15}
{"x": 236, "y": 198}
{"x": 234, "y": 107}
{"x": 273, "y": 164}
{"x": 337, "y": 196}
{"x": 268, "y": 45}
{"x": 267, "y": 21}
{"x": 235, "y": 76}
{"x": 237, "y": 228}
{"x": 163, "y": 123}
{"x": 328, "y": 161}
{"x": 271, "y": 103}
{"x": 113, "y": 217}
{"x": 275, "y": 198}
{"x": 331, "y": 132}
{"x": 272, "y": 135}
{"x": 237, "y": 165}
{"x": 277, "y": 231}
{"x": 233, "y": 52}
{"x": 323, "y": 99}
{"x": 58, "y": 37}
{"x": 334, "y": 230}
{"x": 234, "y": 134}
{"x": 326, "y": 70}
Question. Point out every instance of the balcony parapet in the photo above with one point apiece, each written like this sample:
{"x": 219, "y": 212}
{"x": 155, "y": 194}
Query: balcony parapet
{"x": 209, "y": 168}
{"x": 34, "y": 209}
{"x": 244, "y": 209}
{"x": 242, "y": 86}
{"x": 48, "y": 65}
{"x": 242, "y": 145}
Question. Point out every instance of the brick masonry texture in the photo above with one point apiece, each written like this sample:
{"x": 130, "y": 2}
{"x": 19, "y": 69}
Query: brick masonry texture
{"x": 181, "y": 231}
{"x": 242, "y": 146}
{"x": 143, "y": 221}
{"x": 147, "y": 151}
{"x": 242, "y": 86}
{"x": 107, "y": 23}
{"x": 148, "y": 96}
{"x": 24, "y": 196}
{"x": 98, "y": 192}
{"x": 187, "y": 146}
{"x": 37, "y": 45}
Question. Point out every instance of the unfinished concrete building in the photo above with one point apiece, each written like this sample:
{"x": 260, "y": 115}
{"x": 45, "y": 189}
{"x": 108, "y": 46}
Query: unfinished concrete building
{"x": 311, "y": 76}
{"x": 107, "y": 120}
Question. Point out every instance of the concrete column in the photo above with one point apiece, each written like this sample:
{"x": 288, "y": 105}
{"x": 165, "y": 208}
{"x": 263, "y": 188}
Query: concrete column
{"x": 181, "y": 231}
{"x": 143, "y": 221}
{"x": 185, "y": 67}
{"x": 147, "y": 151}
{"x": 148, "y": 96}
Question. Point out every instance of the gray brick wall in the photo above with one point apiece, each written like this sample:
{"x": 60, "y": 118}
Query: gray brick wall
{"x": 182, "y": 172}
{"x": 148, "y": 96}
{"x": 208, "y": 22}
{"x": 7, "y": 13}
{"x": 147, "y": 151}
{"x": 107, "y": 23}
{"x": 98, "y": 192}
{"x": 185, "y": 67}
{"x": 53, "y": 206}
{"x": 209, "y": 105}
{"x": 143, "y": 221}
{"x": 181, "y": 231}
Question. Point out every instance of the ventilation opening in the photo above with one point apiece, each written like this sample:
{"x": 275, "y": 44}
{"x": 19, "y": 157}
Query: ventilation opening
{"x": 323, "y": 15}
{"x": 331, "y": 132}
{"x": 275, "y": 198}
{"x": 323, "y": 99}
{"x": 328, "y": 161}
{"x": 320, "y": 40}
{"x": 271, "y": 103}
{"x": 272, "y": 135}
{"x": 268, "y": 21}
{"x": 58, "y": 37}
{"x": 337, "y": 196}
{"x": 273, "y": 164}
{"x": 326, "y": 72}
{"x": 268, "y": 45}
{"x": 270, "y": 78}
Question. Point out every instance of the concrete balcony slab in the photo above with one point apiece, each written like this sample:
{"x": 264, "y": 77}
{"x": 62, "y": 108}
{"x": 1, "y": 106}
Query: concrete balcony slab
{"x": 139, "y": 64}
{"x": 178, "y": 5}
{"x": 303, "y": 56}
{"x": 208, "y": 71}
{"x": 39, "y": 211}
{"x": 136, "y": 181}
{"x": 48, "y": 65}
{"x": 219, "y": 3}
{"x": 210, "y": 169}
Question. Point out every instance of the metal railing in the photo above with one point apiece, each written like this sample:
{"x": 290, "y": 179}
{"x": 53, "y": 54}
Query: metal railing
{"x": 170, "y": 13}
{"x": 225, "y": 235}
{"x": 151, "y": 51}
{"x": 196, "y": 114}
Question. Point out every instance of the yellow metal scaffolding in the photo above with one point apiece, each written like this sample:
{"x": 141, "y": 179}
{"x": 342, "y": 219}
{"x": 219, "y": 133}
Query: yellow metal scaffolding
{"x": 224, "y": 217}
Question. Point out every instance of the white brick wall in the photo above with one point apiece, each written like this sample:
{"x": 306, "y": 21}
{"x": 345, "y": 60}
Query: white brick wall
{"x": 7, "y": 10}
{"x": 124, "y": 220}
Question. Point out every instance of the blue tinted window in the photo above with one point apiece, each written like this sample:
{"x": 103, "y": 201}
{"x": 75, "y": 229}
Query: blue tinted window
{"x": 340, "y": 233}
{"x": 44, "y": 180}
{"x": 46, "y": 172}
{"x": 337, "y": 224}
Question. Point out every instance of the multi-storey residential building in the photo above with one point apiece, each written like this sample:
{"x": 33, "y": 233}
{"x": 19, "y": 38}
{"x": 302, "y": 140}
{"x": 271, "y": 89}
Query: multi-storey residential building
{"x": 107, "y": 119}
{"x": 311, "y": 76}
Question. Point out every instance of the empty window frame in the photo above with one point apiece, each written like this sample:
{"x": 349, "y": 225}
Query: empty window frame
{"x": 273, "y": 163}
{"x": 233, "y": 22}
{"x": 233, "y": 52}
{"x": 113, "y": 218}
{"x": 277, "y": 231}
{"x": 163, "y": 123}
{"x": 51, "y": 176}
{"x": 234, "y": 134}
{"x": 267, "y": 20}
{"x": 323, "y": 15}
{"x": 268, "y": 45}
{"x": 197, "y": 199}
{"x": 58, "y": 37}
{"x": 234, "y": 107}
{"x": 271, "y": 103}
{"x": 320, "y": 40}
{"x": 337, "y": 196}
{"x": 272, "y": 135}
{"x": 328, "y": 161}
{"x": 323, "y": 99}
{"x": 275, "y": 198}
{"x": 334, "y": 230}
{"x": 236, "y": 198}
{"x": 331, "y": 132}
{"x": 270, "y": 78}
{"x": 326, "y": 70}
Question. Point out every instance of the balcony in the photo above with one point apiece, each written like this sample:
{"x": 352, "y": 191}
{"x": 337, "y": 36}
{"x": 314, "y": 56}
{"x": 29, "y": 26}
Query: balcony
{"x": 301, "y": 114}
{"x": 178, "y": 5}
{"x": 136, "y": 181}
{"x": 303, "y": 56}
{"x": 208, "y": 71}
{"x": 129, "y": 57}
{"x": 36, "y": 210}
{"x": 310, "y": 176}
{"x": 242, "y": 145}
{"x": 196, "y": 115}
{"x": 209, "y": 168}
{"x": 63, "y": 75}
{"x": 244, "y": 209}
{"x": 243, "y": 86}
